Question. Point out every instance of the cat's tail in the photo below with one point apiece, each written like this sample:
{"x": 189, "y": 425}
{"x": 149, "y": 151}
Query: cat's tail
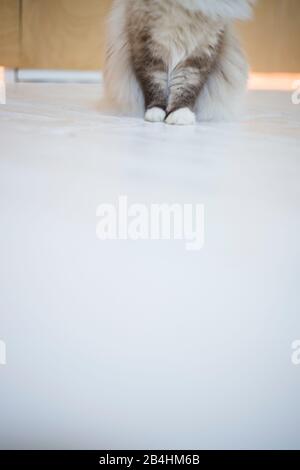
{"x": 222, "y": 97}
{"x": 121, "y": 87}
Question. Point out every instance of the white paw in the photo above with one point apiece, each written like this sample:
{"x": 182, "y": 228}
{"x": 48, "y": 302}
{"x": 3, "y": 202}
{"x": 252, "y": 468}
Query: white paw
{"x": 155, "y": 115}
{"x": 181, "y": 117}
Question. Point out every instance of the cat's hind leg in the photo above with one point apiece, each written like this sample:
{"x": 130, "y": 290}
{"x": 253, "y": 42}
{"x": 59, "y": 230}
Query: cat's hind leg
{"x": 154, "y": 83}
{"x": 186, "y": 82}
{"x": 152, "y": 74}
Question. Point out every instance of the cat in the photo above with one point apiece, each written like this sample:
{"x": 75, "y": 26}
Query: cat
{"x": 176, "y": 60}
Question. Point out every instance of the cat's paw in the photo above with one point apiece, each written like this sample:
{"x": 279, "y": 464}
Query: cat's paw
{"x": 181, "y": 117}
{"x": 155, "y": 115}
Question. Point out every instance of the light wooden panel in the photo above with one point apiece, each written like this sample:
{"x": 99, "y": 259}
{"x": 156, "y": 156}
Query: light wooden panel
{"x": 272, "y": 40}
{"x": 9, "y": 32}
{"x": 65, "y": 34}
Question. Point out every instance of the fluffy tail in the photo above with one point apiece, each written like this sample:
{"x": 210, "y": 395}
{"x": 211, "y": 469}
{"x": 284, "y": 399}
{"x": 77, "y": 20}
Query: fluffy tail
{"x": 222, "y": 97}
{"x": 121, "y": 86}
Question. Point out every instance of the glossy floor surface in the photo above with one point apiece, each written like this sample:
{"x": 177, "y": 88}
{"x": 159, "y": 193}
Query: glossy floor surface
{"x": 143, "y": 344}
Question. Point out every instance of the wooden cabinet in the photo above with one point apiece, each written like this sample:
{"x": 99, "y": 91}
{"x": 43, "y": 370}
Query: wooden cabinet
{"x": 66, "y": 34}
{"x": 272, "y": 40}
{"x": 69, "y": 34}
{"x": 10, "y": 32}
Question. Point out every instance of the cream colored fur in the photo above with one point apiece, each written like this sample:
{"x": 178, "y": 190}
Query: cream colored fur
{"x": 222, "y": 95}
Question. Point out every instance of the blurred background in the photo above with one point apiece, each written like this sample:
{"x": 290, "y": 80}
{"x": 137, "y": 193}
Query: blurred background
{"x": 69, "y": 34}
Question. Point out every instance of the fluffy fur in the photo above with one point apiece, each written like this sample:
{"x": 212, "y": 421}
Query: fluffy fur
{"x": 176, "y": 57}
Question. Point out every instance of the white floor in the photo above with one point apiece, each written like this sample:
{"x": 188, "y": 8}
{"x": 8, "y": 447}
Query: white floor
{"x": 144, "y": 344}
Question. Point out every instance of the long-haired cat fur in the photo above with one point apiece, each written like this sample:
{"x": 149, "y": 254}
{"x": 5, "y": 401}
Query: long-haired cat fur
{"x": 176, "y": 60}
